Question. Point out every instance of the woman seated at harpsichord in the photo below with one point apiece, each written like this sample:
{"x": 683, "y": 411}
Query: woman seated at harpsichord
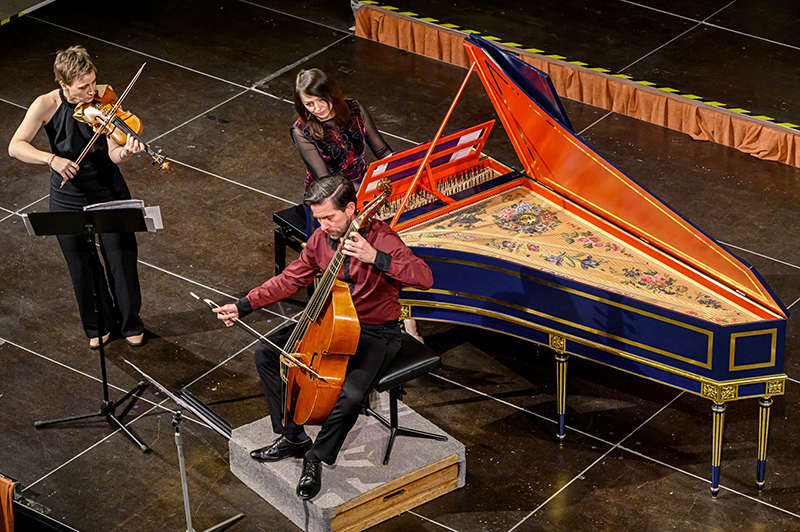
{"x": 332, "y": 132}
{"x": 331, "y": 135}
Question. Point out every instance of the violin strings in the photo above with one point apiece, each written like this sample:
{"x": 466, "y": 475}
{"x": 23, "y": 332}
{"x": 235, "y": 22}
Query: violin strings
{"x": 119, "y": 123}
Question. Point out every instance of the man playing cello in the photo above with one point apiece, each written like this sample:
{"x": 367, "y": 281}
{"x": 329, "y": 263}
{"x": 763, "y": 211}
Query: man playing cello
{"x": 376, "y": 263}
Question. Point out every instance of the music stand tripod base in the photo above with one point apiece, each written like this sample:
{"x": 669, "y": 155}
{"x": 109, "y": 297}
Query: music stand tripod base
{"x": 87, "y": 224}
{"x": 108, "y": 410}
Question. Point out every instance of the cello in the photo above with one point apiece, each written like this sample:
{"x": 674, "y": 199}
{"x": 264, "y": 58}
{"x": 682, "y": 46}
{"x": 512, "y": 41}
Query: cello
{"x": 313, "y": 363}
{"x": 324, "y": 338}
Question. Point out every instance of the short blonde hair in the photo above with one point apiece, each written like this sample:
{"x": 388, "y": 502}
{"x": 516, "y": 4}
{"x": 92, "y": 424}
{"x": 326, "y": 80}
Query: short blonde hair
{"x": 72, "y": 63}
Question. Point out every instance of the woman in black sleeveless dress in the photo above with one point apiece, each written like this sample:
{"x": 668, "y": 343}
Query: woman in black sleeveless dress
{"x": 72, "y": 187}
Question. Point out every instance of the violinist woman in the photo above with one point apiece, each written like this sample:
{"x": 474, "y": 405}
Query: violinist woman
{"x": 376, "y": 263}
{"x": 72, "y": 186}
{"x": 332, "y": 133}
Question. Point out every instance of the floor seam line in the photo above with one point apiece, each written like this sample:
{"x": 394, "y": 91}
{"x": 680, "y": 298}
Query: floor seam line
{"x": 138, "y": 52}
{"x": 63, "y": 365}
{"x": 535, "y": 414}
{"x": 197, "y": 116}
{"x": 697, "y": 25}
{"x": 664, "y": 45}
{"x": 232, "y": 181}
{"x": 684, "y": 17}
{"x": 609, "y": 113}
{"x": 299, "y": 62}
{"x": 102, "y": 440}
{"x": 296, "y": 17}
{"x": 779, "y": 261}
{"x": 705, "y": 22}
{"x": 698, "y": 477}
{"x": 13, "y": 103}
{"x": 428, "y": 519}
{"x": 582, "y": 473}
{"x": 613, "y": 445}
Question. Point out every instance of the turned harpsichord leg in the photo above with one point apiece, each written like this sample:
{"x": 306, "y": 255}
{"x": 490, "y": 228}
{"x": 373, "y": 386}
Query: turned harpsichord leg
{"x": 559, "y": 345}
{"x": 763, "y": 433}
{"x": 716, "y": 445}
{"x": 561, "y": 390}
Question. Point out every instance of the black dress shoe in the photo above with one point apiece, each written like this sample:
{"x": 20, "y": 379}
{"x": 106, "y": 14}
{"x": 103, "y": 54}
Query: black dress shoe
{"x": 280, "y": 449}
{"x": 311, "y": 481}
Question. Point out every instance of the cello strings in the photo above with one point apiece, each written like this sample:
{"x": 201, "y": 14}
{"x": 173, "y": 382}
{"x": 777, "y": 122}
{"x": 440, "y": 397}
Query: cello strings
{"x": 320, "y": 296}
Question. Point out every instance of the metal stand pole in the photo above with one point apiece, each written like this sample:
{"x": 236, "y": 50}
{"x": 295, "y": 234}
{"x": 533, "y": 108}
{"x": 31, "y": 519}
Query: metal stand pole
{"x": 176, "y": 423}
{"x": 108, "y": 407}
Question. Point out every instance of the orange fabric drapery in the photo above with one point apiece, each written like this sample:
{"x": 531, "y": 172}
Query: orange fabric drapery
{"x": 6, "y": 505}
{"x": 701, "y": 121}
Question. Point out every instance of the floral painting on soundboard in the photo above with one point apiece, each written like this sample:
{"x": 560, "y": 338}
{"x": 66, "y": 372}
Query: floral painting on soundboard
{"x": 522, "y": 227}
{"x": 526, "y": 218}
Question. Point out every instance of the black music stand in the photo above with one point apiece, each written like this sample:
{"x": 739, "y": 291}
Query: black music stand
{"x": 203, "y": 413}
{"x": 87, "y": 224}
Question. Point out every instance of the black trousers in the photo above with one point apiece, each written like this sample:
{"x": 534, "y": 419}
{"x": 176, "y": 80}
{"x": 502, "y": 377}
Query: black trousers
{"x": 377, "y": 346}
{"x": 120, "y": 293}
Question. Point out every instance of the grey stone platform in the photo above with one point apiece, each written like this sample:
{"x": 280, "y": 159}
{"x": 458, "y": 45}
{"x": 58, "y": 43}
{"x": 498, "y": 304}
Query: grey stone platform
{"x": 358, "y": 473}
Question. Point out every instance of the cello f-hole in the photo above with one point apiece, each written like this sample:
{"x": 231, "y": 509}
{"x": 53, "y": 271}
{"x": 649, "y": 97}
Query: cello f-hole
{"x": 311, "y": 364}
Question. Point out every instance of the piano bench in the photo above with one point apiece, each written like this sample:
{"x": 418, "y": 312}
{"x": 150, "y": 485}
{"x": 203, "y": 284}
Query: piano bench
{"x": 413, "y": 360}
{"x": 290, "y": 232}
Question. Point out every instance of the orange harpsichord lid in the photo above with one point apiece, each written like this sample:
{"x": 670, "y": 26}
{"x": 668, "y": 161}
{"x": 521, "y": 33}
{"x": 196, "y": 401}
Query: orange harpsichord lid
{"x": 553, "y": 155}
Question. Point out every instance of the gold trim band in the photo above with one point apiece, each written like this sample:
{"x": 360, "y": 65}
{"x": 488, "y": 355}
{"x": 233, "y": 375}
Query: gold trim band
{"x": 733, "y": 367}
{"x": 710, "y": 389}
{"x": 708, "y": 334}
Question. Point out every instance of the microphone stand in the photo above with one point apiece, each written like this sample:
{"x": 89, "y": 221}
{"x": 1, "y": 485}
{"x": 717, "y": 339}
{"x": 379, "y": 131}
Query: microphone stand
{"x": 176, "y": 424}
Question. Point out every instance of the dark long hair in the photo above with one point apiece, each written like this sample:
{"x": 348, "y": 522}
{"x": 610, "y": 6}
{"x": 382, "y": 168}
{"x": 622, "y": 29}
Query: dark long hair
{"x": 315, "y": 82}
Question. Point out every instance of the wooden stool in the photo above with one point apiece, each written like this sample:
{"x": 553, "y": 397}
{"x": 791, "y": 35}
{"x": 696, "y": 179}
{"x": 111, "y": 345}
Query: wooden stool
{"x": 413, "y": 360}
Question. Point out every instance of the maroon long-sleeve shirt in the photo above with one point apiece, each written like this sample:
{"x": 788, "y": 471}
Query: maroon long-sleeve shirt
{"x": 374, "y": 287}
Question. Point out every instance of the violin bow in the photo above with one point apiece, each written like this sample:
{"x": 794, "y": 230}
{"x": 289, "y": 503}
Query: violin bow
{"x": 263, "y": 338}
{"x": 113, "y": 111}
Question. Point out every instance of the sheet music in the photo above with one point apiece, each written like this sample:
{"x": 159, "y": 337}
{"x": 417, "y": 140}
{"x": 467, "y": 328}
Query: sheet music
{"x": 117, "y": 204}
{"x": 152, "y": 215}
{"x": 463, "y": 140}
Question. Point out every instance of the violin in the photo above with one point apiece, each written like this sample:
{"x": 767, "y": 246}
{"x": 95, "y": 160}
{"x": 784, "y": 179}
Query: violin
{"x": 118, "y": 126}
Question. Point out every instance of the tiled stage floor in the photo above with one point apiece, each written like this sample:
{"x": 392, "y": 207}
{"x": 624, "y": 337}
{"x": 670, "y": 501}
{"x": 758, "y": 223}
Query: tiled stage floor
{"x": 215, "y": 98}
